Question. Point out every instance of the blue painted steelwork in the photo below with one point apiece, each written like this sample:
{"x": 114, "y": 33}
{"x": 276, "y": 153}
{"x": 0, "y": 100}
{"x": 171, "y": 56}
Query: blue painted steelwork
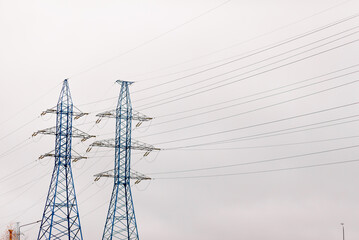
{"x": 61, "y": 216}
{"x": 121, "y": 220}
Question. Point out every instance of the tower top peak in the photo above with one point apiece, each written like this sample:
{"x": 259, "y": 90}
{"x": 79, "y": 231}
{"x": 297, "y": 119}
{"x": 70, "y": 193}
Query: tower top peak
{"x": 121, "y": 81}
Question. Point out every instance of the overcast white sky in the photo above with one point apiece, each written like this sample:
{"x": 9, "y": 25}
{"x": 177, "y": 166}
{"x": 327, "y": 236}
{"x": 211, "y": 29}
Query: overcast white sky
{"x": 167, "y": 48}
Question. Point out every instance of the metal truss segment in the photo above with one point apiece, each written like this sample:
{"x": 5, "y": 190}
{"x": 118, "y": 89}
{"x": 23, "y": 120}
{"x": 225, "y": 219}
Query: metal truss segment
{"x": 121, "y": 221}
{"x": 135, "y": 145}
{"x": 134, "y": 175}
{"x": 75, "y": 157}
{"x": 60, "y": 218}
{"x": 76, "y": 133}
{"x": 76, "y": 115}
{"x": 136, "y": 116}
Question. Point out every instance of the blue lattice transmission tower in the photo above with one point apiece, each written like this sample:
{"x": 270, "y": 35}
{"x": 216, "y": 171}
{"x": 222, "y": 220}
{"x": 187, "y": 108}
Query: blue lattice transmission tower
{"x": 121, "y": 220}
{"x": 60, "y": 219}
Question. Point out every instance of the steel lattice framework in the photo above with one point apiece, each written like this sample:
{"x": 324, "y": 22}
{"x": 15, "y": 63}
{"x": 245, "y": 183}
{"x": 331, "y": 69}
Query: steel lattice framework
{"x": 60, "y": 219}
{"x": 121, "y": 220}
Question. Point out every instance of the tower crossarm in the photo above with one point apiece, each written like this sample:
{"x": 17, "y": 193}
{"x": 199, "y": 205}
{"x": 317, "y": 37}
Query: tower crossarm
{"x": 109, "y": 114}
{"x": 46, "y": 131}
{"x": 110, "y": 143}
{"x": 76, "y": 114}
{"x": 76, "y": 133}
{"x": 75, "y": 157}
{"x": 137, "y": 116}
{"x": 134, "y": 175}
{"x": 135, "y": 145}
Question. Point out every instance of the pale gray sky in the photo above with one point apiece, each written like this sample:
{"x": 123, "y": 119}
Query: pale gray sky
{"x": 159, "y": 44}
